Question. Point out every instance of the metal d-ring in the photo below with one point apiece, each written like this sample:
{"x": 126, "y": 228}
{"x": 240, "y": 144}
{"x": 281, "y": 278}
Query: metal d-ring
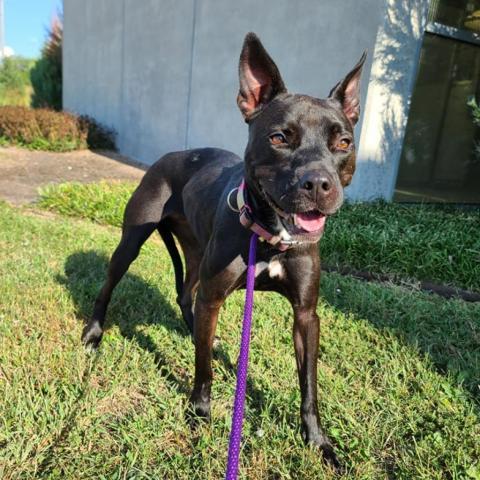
{"x": 228, "y": 200}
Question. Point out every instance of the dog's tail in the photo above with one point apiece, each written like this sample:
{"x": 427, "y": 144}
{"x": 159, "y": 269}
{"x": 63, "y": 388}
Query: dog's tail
{"x": 169, "y": 241}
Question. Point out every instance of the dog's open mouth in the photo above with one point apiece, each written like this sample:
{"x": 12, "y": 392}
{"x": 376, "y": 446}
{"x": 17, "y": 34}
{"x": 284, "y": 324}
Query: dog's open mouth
{"x": 312, "y": 221}
{"x": 304, "y": 226}
{"x": 308, "y": 225}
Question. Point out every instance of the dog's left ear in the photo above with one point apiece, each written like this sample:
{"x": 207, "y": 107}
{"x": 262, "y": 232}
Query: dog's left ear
{"x": 347, "y": 92}
{"x": 260, "y": 80}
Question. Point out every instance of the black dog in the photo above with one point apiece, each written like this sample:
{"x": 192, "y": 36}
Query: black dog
{"x": 299, "y": 157}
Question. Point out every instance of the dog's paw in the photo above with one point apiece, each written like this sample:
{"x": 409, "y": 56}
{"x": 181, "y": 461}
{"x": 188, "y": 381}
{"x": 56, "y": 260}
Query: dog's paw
{"x": 92, "y": 335}
{"x": 198, "y": 411}
{"x": 201, "y": 410}
{"x": 217, "y": 343}
{"x": 322, "y": 442}
{"x": 331, "y": 459}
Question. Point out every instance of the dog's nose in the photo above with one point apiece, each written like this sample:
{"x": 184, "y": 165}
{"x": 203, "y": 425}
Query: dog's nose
{"x": 317, "y": 184}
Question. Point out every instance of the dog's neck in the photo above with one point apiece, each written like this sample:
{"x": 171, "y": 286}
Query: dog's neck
{"x": 262, "y": 212}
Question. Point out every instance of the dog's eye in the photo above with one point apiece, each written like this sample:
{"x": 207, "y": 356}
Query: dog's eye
{"x": 343, "y": 144}
{"x": 278, "y": 139}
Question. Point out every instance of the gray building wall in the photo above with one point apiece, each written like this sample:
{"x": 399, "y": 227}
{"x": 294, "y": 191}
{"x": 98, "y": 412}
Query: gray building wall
{"x": 392, "y": 77}
{"x": 163, "y": 73}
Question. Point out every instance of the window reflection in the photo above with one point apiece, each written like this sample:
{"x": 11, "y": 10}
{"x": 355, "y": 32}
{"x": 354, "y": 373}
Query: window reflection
{"x": 439, "y": 160}
{"x": 461, "y": 14}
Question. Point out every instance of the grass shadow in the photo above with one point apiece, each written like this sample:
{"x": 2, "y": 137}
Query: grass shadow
{"x": 46, "y": 466}
{"x": 446, "y": 331}
{"x": 134, "y": 303}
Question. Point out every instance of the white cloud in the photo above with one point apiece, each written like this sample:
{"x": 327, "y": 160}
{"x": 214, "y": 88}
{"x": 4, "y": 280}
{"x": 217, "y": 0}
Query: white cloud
{"x": 8, "y": 51}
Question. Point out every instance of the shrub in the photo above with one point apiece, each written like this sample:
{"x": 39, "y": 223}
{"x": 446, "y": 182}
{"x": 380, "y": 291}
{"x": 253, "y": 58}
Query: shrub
{"x": 46, "y": 75}
{"x": 475, "y": 110}
{"x": 42, "y": 129}
{"x": 99, "y": 137}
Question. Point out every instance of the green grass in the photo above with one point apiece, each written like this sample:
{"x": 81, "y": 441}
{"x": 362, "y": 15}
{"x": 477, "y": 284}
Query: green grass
{"x": 435, "y": 243}
{"x": 42, "y": 144}
{"x": 102, "y": 202}
{"x": 398, "y": 372}
{"x": 410, "y": 242}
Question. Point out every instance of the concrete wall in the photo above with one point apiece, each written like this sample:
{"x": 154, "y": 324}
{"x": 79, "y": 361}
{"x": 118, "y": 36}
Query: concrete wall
{"x": 314, "y": 43}
{"x": 93, "y": 59}
{"x": 163, "y": 73}
{"x": 392, "y": 78}
{"x": 127, "y": 64}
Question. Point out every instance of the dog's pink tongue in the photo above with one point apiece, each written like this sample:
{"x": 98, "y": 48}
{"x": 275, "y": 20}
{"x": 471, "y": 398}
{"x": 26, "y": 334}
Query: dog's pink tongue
{"x": 310, "y": 221}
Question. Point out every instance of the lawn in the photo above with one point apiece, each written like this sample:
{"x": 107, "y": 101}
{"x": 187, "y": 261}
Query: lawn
{"x": 439, "y": 244}
{"x": 398, "y": 369}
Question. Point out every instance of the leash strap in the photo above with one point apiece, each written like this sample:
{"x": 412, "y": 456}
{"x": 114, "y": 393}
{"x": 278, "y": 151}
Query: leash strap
{"x": 242, "y": 369}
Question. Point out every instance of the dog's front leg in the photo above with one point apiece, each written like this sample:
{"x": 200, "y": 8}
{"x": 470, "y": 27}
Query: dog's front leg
{"x": 220, "y": 271}
{"x": 301, "y": 284}
{"x": 206, "y": 315}
{"x": 306, "y": 329}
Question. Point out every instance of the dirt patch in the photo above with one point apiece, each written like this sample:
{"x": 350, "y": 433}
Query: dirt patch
{"x": 22, "y": 171}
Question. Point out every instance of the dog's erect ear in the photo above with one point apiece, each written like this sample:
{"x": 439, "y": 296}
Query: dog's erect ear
{"x": 260, "y": 80}
{"x": 347, "y": 92}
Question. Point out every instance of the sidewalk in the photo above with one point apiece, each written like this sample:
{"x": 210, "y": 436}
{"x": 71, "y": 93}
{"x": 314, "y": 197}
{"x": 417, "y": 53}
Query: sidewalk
{"x": 23, "y": 171}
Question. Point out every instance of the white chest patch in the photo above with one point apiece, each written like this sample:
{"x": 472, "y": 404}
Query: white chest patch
{"x": 260, "y": 267}
{"x": 275, "y": 269}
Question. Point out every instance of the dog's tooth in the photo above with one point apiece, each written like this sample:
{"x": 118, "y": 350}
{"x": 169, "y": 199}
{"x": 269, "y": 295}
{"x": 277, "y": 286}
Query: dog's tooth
{"x": 285, "y": 235}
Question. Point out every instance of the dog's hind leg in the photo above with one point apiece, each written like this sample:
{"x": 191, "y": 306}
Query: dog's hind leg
{"x": 172, "y": 249}
{"x": 143, "y": 214}
{"x": 185, "y": 301}
{"x": 133, "y": 237}
{"x": 191, "y": 251}
{"x": 185, "y": 290}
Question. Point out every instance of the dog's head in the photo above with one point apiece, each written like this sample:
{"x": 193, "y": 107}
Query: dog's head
{"x": 301, "y": 152}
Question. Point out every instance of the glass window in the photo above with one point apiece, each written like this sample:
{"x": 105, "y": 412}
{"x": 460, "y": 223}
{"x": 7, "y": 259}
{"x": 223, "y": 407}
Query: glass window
{"x": 441, "y": 153}
{"x": 461, "y": 14}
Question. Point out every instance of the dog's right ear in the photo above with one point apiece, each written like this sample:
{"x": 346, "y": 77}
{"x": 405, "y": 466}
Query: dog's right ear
{"x": 260, "y": 80}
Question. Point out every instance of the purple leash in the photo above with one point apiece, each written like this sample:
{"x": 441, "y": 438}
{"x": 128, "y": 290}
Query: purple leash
{"x": 242, "y": 369}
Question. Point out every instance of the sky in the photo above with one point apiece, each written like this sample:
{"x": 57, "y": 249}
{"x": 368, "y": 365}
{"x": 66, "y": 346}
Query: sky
{"x": 26, "y": 22}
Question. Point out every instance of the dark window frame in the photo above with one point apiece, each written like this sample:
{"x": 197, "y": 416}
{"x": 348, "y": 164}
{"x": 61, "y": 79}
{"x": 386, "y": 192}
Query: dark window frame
{"x": 442, "y": 30}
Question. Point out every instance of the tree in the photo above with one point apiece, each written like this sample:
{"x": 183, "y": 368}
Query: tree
{"x": 46, "y": 75}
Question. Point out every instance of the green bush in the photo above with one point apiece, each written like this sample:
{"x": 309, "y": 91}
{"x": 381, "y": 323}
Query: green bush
{"x": 475, "y": 109}
{"x": 15, "y": 86}
{"x": 46, "y": 75}
{"x": 472, "y": 103}
{"x": 99, "y": 137}
{"x": 42, "y": 129}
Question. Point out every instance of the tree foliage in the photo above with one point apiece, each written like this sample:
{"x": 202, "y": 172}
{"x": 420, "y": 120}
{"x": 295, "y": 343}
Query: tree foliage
{"x": 473, "y": 104}
{"x": 46, "y": 75}
{"x": 15, "y": 84}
